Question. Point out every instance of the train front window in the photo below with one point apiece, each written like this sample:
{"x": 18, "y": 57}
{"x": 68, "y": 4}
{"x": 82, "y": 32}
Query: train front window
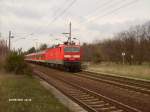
{"x": 72, "y": 49}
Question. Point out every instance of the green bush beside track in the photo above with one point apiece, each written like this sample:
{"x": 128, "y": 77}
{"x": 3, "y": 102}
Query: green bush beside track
{"x": 15, "y": 63}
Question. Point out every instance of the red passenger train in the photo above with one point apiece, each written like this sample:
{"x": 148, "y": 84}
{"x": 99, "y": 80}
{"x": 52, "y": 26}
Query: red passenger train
{"x": 64, "y": 55}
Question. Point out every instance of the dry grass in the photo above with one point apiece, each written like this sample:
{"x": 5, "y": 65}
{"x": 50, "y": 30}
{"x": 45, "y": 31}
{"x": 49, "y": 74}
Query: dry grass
{"x": 26, "y": 87}
{"x": 136, "y": 71}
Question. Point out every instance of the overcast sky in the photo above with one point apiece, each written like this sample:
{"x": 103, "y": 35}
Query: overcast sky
{"x": 43, "y": 21}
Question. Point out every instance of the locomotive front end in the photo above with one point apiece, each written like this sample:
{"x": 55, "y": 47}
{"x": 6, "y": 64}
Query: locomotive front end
{"x": 72, "y": 58}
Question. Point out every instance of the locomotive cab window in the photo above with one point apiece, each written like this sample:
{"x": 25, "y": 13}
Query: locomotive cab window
{"x": 72, "y": 49}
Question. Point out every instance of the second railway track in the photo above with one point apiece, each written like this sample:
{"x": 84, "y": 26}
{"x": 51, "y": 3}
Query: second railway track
{"x": 90, "y": 100}
{"x": 131, "y": 84}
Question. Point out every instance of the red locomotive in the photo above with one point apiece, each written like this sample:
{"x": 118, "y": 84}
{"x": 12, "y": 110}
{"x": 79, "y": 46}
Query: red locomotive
{"x": 64, "y": 55}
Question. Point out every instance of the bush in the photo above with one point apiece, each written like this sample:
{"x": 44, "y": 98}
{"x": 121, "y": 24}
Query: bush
{"x": 15, "y": 63}
{"x": 97, "y": 57}
{"x": 2, "y": 61}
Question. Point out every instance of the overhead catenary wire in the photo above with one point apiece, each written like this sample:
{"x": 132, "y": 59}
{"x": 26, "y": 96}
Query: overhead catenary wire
{"x": 64, "y": 4}
{"x": 107, "y": 7}
{"x": 109, "y": 12}
{"x": 113, "y": 10}
{"x": 59, "y": 15}
{"x": 101, "y": 6}
{"x": 64, "y": 11}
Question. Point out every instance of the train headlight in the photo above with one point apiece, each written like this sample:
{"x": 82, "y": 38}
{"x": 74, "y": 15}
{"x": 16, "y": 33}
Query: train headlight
{"x": 67, "y": 56}
{"x": 76, "y": 56}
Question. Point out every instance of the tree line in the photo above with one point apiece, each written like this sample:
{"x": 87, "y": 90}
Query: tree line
{"x": 33, "y": 49}
{"x": 3, "y": 48}
{"x": 133, "y": 45}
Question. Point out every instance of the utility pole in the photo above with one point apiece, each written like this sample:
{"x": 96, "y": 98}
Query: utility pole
{"x": 123, "y": 57}
{"x": 9, "y": 42}
{"x": 69, "y": 38}
{"x": 70, "y": 32}
{"x": 6, "y": 48}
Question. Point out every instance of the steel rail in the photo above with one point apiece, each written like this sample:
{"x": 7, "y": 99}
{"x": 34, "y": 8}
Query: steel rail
{"x": 90, "y": 100}
{"x": 116, "y": 81}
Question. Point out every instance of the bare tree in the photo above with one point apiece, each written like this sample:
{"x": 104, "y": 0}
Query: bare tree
{"x": 135, "y": 43}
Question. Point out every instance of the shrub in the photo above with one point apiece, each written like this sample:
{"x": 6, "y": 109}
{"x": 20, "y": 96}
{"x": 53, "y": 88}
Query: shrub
{"x": 97, "y": 57}
{"x": 15, "y": 63}
{"x": 1, "y": 64}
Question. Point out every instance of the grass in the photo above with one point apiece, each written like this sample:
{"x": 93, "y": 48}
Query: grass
{"x": 26, "y": 87}
{"x": 136, "y": 71}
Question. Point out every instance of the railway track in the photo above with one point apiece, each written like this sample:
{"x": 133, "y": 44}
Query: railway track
{"x": 131, "y": 84}
{"x": 90, "y": 100}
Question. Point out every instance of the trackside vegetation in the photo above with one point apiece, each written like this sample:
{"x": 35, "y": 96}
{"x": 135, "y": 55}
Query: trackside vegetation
{"x": 15, "y": 63}
{"x": 29, "y": 93}
{"x": 135, "y": 71}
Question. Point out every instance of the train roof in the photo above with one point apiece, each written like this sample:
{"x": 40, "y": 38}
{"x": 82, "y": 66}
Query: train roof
{"x": 40, "y": 52}
{"x": 55, "y": 46}
{"x": 31, "y": 54}
{"x": 63, "y": 45}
